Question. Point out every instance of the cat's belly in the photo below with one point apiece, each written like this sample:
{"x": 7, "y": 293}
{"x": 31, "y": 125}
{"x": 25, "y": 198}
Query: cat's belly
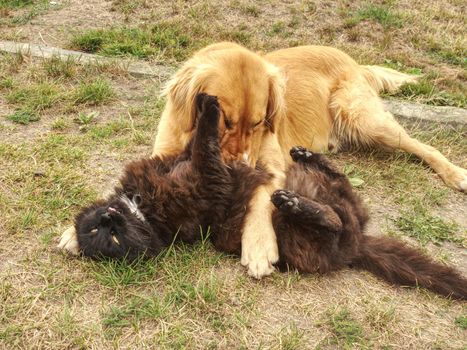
{"x": 302, "y": 181}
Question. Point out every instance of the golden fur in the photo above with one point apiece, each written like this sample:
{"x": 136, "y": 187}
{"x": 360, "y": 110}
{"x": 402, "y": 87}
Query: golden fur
{"x": 313, "y": 96}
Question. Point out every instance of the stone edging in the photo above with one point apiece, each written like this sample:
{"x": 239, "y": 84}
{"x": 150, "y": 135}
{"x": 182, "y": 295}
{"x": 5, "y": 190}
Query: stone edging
{"x": 410, "y": 111}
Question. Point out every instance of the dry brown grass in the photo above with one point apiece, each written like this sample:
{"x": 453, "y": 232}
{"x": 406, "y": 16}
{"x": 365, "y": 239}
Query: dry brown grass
{"x": 195, "y": 298}
{"x": 416, "y": 36}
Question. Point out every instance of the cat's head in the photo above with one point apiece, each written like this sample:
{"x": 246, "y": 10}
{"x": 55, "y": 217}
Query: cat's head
{"x": 114, "y": 229}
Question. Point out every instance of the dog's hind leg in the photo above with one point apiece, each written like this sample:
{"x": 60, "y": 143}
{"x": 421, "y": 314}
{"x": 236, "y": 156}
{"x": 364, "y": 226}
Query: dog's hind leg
{"x": 360, "y": 118}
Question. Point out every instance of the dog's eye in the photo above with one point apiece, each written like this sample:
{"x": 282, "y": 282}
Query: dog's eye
{"x": 228, "y": 123}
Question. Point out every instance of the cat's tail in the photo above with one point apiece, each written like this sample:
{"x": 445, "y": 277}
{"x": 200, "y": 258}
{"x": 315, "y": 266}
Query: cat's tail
{"x": 397, "y": 263}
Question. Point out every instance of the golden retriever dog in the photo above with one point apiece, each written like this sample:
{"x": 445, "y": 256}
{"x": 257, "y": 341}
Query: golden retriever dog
{"x": 313, "y": 96}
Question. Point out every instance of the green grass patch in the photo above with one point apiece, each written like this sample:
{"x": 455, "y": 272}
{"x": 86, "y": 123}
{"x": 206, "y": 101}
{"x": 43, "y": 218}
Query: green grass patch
{"x": 384, "y": 15}
{"x": 165, "y": 39}
{"x": 15, "y": 4}
{"x": 23, "y": 117}
{"x": 94, "y": 92}
{"x": 461, "y": 321}
{"x": 425, "y": 91}
{"x": 46, "y": 183}
{"x": 115, "y": 274}
{"x": 28, "y": 9}
{"x": 418, "y": 223}
{"x": 36, "y": 97}
{"x": 346, "y": 332}
{"x": 6, "y": 83}
{"x": 56, "y": 67}
{"x": 134, "y": 311}
{"x": 290, "y": 338}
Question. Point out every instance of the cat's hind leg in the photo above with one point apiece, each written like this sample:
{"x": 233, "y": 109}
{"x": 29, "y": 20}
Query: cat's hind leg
{"x": 318, "y": 161}
{"x": 306, "y": 212}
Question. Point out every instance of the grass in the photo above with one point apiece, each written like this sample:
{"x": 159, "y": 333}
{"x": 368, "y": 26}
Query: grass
{"x": 63, "y": 86}
{"x": 23, "y": 117}
{"x": 35, "y": 98}
{"x": 20, "y": 12}
{"x": 167, "y": 40}
{"x": 461, "y": 321}
{"x": 346, "y": 332}
{"x": 424, "y": 91}
{"x": 191, "y": 296}
{"x": 420, "y": 224}
{"x": 93, "y": 93}
{"x": 382, "y": 14}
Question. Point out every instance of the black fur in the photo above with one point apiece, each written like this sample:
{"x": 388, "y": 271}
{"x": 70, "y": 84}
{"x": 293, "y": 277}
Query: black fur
{"x": 319, "y": 221}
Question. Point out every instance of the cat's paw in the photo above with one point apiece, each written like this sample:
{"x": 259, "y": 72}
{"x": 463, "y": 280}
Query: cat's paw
{"x": 207, "y": 106}
{"x": 286, "y": 201}
{"x": 299, "y": 153}
{"x": 69, "y": 241}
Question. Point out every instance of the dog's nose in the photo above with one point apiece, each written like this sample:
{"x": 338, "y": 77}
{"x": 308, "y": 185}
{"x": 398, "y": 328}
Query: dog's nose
{"x": 105, "y": 219}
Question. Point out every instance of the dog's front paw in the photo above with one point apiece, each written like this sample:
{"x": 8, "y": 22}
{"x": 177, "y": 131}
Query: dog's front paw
{"x": 69, "y": 241}
{"x": 286, "y": 201}
{"x": 259, "y": 258}
{"x": 259, "y": 250}
{"x": 455, "y": 177}
{"x": 299, "y": 153}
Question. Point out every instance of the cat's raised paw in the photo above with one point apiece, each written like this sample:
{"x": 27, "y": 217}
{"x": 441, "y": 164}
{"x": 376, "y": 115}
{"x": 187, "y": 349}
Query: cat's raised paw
{"x": 207, "y": 104}
{"x": 299, "y": 153}
{"x": 286, "y": 201}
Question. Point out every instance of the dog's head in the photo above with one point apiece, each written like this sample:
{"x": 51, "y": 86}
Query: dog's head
{"x": 249, "y": 89}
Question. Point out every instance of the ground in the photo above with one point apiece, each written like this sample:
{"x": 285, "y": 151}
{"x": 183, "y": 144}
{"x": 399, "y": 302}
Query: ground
{"x": 66, "y": 131}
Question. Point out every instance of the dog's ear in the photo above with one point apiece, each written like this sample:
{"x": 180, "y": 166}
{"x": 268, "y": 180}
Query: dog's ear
{"x": 182, "y": 89}
{"x": 276, "y": 100}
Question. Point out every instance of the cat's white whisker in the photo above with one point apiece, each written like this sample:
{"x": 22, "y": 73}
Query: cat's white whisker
{"x": 133, "y": 207}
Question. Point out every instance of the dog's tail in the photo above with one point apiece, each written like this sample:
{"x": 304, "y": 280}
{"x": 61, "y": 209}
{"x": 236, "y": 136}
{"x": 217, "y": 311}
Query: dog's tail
{"x": 399, "y": 264}
{"x": 386, "y": 79}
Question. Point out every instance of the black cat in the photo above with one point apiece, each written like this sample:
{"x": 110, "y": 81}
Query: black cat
{"x": 319, "y": 221}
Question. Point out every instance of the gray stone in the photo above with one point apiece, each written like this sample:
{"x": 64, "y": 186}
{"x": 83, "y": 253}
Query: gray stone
{"x": 137, "y": 69}
{"x": 419, "y": 112}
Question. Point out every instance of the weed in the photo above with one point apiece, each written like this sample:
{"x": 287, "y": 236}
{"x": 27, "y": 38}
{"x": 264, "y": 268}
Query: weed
{"x": 85, "y": 119}
{"x": 461, "y": 321}
{"x": 251, "y": 10}
{"x": 115, "y": 274}
{"x": 346, "y": 332}
{"x": 23, "y": 117}
{"x": 166, "y": 39}
{"x": 35, "y": 98}
{"x": 134, "y": 311}
{"x": 6, "y": 83}
{"x": 15, "y": 4}
{"x": 290, "y": 338}
{"x": 418, "y": 223}
{"x": 56, "y": 67}
{"x": 426, "y": 92}
{"x": 93, "y": 93}
{"x": 59, "y": 124}
{"x": 381, "y": 14}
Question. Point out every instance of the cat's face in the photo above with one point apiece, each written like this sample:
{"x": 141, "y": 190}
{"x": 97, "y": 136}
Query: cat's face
{"x": 111, "y": 229}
